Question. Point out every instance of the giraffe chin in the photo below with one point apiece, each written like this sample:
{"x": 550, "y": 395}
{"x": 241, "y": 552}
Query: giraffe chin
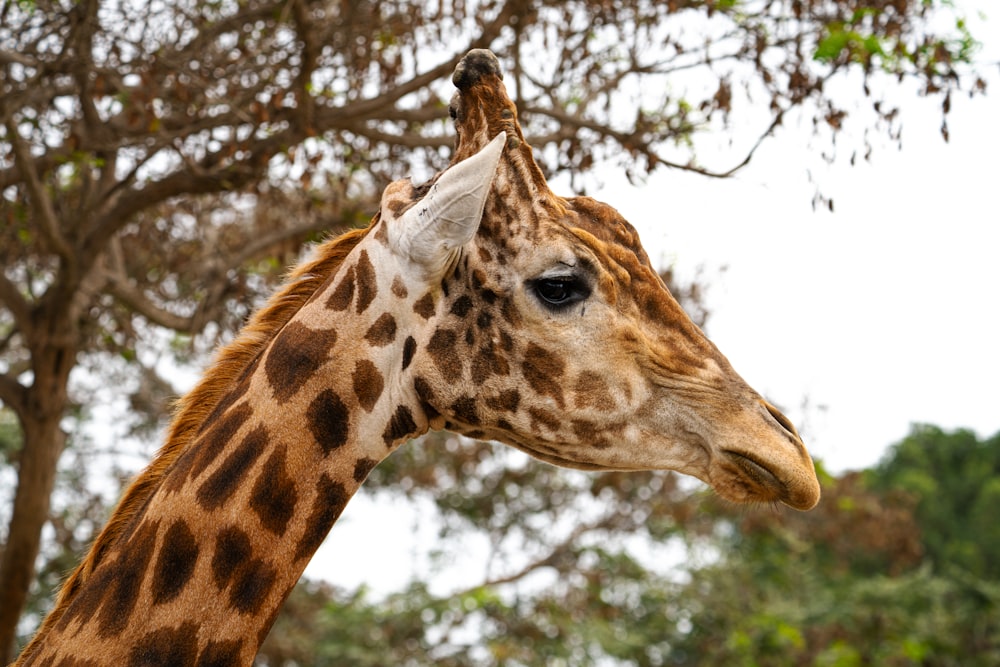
{"x": 735, "y": 476}
{"x": 743, "y": 479}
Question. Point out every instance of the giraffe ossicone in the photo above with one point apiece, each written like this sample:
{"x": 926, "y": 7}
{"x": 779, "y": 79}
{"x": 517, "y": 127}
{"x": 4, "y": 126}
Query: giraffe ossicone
{"x": 481, "y": 303}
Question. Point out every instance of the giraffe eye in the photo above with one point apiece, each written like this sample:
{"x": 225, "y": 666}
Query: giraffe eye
{"x": 560, "y": 292}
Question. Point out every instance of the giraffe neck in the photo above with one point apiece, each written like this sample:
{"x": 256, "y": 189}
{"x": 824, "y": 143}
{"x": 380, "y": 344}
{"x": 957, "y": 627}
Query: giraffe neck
{"x": 201, "y": 571}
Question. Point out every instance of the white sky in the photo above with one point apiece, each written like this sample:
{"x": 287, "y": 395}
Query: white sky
{"x": 881, "y": 314}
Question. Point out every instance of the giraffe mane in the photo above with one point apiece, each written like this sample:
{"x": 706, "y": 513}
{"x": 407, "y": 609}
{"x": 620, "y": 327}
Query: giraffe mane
{"x": 193, "y": 409}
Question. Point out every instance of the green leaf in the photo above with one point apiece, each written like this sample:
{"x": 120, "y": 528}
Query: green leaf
{"x": 831, "y": 45}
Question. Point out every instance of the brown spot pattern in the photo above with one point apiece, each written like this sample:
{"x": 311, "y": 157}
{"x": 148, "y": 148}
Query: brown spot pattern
{"x": 464, "y": 410}
{"x": 506, "y": 401}
{"x": 461, "y": 306}
{"x": 230, "y": 399}
{"x": 174, "y": 563}
{"x": 400, "y": 425}
{"x": 591, "y": 391}
{"x": 120, "y": 592}
{"x": 510, "y": 313}
{"x": 343, "y": 293}
{"x": 543, "y": 371}
{"x": 331, "y": 498}
{"x": 222, "y": 483}
{"x": 426, "y": 395}
{"x": 220, "y": 654}
{"x": 409, "y": 348}
{"x": 329, "y": 421}
{"x": 248, "y": 579}
{"x": 424, "y": 307}
{"x": 251, "y": 585}
{"x": 295, "y": 356}
{"x": 368, "y": 383}
{"x": 382, "y": 332}
{"x": 166, "y": 647}
{"x": 583, "y": 429}
{"x": 484, "y": 319}
{"x": 543, "y": 418}
{"x": 367, "y": 284}
{"x": 362, "y": 467}
{"x": 232, "y": 549}
{"x": 273, "y": 496}
{"x": 488, "y": 362}
{"x": 399, "y": 288}
{"x": 208, "y": 447}
{"x": 442, "y": 350}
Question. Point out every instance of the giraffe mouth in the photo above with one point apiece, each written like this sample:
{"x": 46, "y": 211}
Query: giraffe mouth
{"x": 756, "y": 482}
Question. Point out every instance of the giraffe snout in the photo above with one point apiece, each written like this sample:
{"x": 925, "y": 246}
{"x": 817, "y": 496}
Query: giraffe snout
{"x": 778, "y": 467}
{"x": 764, "y": 460}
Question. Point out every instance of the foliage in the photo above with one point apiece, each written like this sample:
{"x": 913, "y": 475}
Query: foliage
{"x": 853, "y": 582}
{"x": 599, "y": 603}
{"x": 956, "y": 477}
{"x": 859, "y": 581}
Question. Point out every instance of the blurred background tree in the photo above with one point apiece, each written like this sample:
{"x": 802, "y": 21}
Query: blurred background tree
{"x": 859, "y": 580}
{"x": 161, "y": 164}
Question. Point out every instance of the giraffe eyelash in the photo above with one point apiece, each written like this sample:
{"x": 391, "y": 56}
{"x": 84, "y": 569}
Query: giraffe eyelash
{"x": 557, "y": 293}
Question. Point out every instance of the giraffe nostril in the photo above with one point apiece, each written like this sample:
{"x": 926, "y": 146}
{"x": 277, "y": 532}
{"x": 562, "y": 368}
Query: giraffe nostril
{"x": 782, "y": 420}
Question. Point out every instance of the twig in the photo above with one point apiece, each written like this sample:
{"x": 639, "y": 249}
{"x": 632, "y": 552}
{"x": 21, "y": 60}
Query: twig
{"x": 49, "y": 223}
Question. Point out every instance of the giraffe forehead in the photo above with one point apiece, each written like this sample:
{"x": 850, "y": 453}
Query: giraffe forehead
{"x": 586, "y": 236}
{"x": 592, "y": 232}
{"x": 606, "y": 232}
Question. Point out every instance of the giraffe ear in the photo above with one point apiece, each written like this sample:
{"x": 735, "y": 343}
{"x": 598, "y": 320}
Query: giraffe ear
{"x": 432, "y": 230}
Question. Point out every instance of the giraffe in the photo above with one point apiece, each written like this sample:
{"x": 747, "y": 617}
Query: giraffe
{"x": 481, "y": 303}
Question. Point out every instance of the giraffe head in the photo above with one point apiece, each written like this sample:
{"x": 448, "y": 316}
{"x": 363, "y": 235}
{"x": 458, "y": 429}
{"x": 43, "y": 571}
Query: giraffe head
{"x": 547, "y": 327}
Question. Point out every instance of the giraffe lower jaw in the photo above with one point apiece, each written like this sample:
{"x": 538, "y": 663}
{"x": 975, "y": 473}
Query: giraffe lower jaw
{"x": 757, "y": 483}
{"x": 554, "y": 459}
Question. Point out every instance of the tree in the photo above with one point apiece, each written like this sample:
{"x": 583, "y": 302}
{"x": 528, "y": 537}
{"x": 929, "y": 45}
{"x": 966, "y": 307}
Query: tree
{"x": 860, "y": 580}
{"x": 155, "y": 161}
{"x": 854, "y": 582}
{"x": 956, "y": 478}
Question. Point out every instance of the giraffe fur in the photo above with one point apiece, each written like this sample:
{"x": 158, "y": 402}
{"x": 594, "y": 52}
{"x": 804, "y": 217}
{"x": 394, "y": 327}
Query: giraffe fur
{"x": 481, "y": 303}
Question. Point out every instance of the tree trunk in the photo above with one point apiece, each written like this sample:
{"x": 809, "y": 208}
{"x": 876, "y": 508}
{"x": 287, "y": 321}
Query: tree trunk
{"x": 43, "y": 443}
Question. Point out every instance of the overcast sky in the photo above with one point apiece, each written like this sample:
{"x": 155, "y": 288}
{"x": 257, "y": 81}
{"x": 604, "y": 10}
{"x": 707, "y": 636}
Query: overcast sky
{"x": 882, "y": 313}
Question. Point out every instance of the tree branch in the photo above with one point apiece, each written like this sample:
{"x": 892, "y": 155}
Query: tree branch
{"x": 549, "y": 559}
{"x": 377, "y": 105}
{"x": 628, "y": 141}
{"x": 407, "y": 140}
{"x": 121, "y": 288}
{"x": 13, "y": 395}
{"x": 259, "y": 246}
{"x": 48, "y": 221}
{"x": 208, "y": 176}
{"x": 11, "y": 58}
{"x": 135, "y": 301}
{"x": 11, "y": 297}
